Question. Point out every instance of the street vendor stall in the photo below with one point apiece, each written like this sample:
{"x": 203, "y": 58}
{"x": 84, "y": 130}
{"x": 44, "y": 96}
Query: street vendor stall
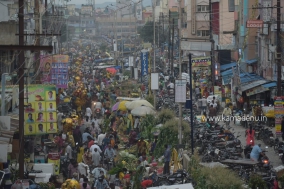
{"x": 201, "y": 71}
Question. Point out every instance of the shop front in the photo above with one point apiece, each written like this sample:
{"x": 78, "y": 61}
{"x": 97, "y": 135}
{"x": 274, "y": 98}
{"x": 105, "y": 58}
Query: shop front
{"x": 201, "y": 71}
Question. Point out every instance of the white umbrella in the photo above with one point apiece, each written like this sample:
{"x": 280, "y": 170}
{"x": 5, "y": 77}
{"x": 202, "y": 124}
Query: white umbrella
{"x": 142, "y": 111}
{"x": 137, "y": 103}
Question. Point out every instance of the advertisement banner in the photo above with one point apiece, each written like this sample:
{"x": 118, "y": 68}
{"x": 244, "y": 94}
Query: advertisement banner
{"x": 180, "y": 91}
{"x": 40, "y": 110}
{"x": 55, "y": 159}
{"x": 139, "y": 11}
{"x": 201, "y": 61}
{"x": 278, "y": 112}
{"x": 55, "y": 70}
{"x": 144, "y": 63}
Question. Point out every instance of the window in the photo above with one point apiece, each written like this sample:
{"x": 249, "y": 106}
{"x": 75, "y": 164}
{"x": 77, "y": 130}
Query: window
{"x": 203, "y": 33}
{"x": 203, "y": 8}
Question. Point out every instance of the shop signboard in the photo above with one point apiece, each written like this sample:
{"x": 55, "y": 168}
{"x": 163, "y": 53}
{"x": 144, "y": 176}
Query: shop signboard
{"x": 278, "y": 112}
{"x": 55, "y": 159}
{"x": 55, "y": 70}
{"x": 144, "y": 63}
{"x": 201, "y": 61}
{"x": 40, "y": 110}
{"x": 256, "y": 90}
{"x": 180, "y": 90}
{"x": 217, "y": 90}
{"x": 86, "y": 9}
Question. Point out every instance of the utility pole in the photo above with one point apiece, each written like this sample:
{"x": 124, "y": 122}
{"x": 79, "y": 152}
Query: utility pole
{"x": 154, "y": 48}
{"x": 37, "y": 39}
{"x": 172, "y": 53}
{"x": 180, "y": 77}
{"x": 115, "y": 45}
{"x": 279, "y": 91}
{"x": 212, "y": 44}
{"x": 21, "y": 88}
{"x": 169, "y": 44}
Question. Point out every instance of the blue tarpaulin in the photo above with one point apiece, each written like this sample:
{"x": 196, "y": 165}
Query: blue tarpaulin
{"x": 251, "y": 61}
{"x": 228, "y": 66}
{"x": 268, "y": 85}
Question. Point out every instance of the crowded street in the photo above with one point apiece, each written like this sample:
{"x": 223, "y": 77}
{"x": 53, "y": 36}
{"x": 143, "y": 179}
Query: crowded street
{"x": 141, "y": 94}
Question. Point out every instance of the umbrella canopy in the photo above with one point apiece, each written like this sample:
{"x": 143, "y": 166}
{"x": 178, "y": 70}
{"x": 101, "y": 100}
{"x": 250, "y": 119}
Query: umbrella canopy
{"x": 138, "y": 103}
{"x": 122, "y": 106}
{"x": 111, "y": 70}
{"x": 142, "y": 111}
{"x": 115, "y": 107}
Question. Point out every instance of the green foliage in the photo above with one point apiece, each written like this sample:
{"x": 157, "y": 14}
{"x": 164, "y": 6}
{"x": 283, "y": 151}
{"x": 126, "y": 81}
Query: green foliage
{"x": 117, "y": 169}
{"x": 165, "y": 115}
{"x": 104, "y": 47}
{"x": 150, "y": 98}
{"x": 212, "y": 178}
{"x": 256, "y": 182}
{"x": 127, "y": 73}
{"x": 169, "y": 135}
{"x": 147, "y": 33}
{"x": 147, "y": 125}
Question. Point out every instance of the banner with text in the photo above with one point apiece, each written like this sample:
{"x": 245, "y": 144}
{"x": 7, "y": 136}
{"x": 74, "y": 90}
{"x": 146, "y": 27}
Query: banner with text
{"x": 278, "y": 112}
{"x": 144, "y": 63}
{"x": 55, "y": 70}
{"x": 40, "y": 110}
{"x": 201, "y": 61}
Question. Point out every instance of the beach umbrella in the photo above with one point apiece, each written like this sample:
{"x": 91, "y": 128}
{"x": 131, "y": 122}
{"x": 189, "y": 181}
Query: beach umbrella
{"x": 142, "y": 111}
{"x": 115, "y": 107}
{"x": 137, "y": 103}
{"x": 122, "y": 106}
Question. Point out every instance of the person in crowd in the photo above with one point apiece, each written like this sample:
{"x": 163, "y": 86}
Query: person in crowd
{"x": 90, "y": 142}
{"x": 256, "y": 152}
{"x": 88, "y": 113}
{"x": 101, "y": 183}
{"x": 95, "y": 145}
{"x": 99, "y": 171}
{"x": 87, "y": 157}
{"x": 167, "y": 158}
{"x": 84, "y": 184}
{"x": 82, "y": 170}
{"x": 72, "y": 168}
{"x": 250, "y": 136}
{"x": 132, "y": 137}
{"x": 282, "y": 128}
{"x": 96, "y": 157}
{"x": 69, "y": 151}
{"x": 109, "y": 153}
{"x": 142, "y": 147}
{"x": 77, "y": 135}
{"x": 212, "y": 113}
{"x": 100, "y": 139}
{"x": 203, "y": 103}
{"x": 105, "y": 141}
{"x": 258, "y": 113}
{"x": 85, "y": 136}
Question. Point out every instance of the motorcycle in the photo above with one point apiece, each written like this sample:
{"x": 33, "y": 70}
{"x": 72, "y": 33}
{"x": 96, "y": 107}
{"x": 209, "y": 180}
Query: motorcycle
{"x": 64, "y": 162}
{"x": 180, "y": 177}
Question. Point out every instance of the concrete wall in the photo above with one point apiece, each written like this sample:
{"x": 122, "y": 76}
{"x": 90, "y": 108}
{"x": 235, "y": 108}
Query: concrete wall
{"x": 8, "y": 31}
{"x": 227, "y": 23}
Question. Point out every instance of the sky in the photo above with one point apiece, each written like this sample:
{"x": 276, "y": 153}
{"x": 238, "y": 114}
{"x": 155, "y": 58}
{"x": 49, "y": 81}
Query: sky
{"x": 79, "y": 2}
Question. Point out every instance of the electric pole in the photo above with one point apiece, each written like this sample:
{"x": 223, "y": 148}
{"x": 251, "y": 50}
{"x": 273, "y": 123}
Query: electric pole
{"x": 169, "y": 45}
{"x": 278, "y": 57}
{"x": 212, "y": 44}
{"x": 37, "y": 40}
{"x": 180, "y": 75}
{"x": 172, "y": 52}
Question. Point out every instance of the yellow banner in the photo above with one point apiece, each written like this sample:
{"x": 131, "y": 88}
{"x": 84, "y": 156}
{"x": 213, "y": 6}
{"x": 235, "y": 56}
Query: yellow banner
{"x": 40, "y": 110}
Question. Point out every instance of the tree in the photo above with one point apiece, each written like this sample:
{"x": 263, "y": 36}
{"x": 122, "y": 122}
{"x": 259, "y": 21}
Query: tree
{"x": 147, "y": 33}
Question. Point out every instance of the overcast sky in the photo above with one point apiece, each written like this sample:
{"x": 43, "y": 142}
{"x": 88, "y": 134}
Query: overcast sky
{"x": 79, "y": 2}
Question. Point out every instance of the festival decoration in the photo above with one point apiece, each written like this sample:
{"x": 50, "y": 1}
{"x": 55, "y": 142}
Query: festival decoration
{"x": 71, "y": 184}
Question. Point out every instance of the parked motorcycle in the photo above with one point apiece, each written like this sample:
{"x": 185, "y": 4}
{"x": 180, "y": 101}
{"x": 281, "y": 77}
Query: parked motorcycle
{"x": 180, "y": 177}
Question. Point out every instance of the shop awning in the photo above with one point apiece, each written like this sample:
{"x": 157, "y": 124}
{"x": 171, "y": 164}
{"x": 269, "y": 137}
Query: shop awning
{"x": 253, "y": 84}
{"x": 249, "y": 77}
{"x": 251, "y": 61}
{"x": 228, "y": 66}
{"x": 269, "y": 85}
